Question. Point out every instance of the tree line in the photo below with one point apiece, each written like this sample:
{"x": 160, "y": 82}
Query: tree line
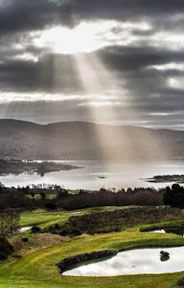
{"x": 25, "y": 198}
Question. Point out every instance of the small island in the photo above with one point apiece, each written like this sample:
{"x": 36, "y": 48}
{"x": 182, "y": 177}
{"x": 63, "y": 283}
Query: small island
{"x": 16, "y": 167}
{"x": 166, "y": 179}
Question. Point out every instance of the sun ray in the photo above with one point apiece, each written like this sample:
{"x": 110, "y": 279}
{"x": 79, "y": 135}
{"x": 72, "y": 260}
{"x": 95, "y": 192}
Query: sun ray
{"x": 101, "y": 94}
{"x": 97, "y": 80}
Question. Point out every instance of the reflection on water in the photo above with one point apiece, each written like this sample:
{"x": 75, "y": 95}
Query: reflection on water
{"x": 179, "y": 230}
{"x": 24, "y": 229}
{"x": 96, "y": 174}
{"x": 138, "y": 261}
{"x": 155, "y": 231}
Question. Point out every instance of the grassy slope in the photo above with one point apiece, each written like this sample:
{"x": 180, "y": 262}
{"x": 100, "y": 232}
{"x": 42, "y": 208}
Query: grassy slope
{"x": 45, "y": 219}
{"x": 38, "y": 269}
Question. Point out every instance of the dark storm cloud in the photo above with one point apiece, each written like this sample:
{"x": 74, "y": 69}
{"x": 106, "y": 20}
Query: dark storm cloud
{"x": 135, "y": 58}
{"x": 148, "y": 90}
{"x": 27, "y": 15}
{"x": 126, "y": 9}
{"x": 50, "y": 74}
{"x": 58, "y": 72}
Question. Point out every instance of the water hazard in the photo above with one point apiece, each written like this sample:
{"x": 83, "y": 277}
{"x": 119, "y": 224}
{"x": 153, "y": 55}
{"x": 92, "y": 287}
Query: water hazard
{"x": 138, "y": 261}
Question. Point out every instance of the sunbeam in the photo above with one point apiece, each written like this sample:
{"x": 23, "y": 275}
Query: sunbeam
{"x": 96, "y": 80}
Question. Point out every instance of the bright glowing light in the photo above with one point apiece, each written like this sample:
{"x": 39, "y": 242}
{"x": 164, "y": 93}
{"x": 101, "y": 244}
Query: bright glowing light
{"x": 83, "y": 38}
{"x": 162, "y": 114}
{"x": 169, "y": 66}
{"x": 169, "y": 40}
{"x": 8, "y": 97}
{"x": 89, "y": 36}
{"x": 26, "y": 57}
{"x": 176, "y": 82}
{"x": 101, "y": 103}
{"x": 83, "y": 99}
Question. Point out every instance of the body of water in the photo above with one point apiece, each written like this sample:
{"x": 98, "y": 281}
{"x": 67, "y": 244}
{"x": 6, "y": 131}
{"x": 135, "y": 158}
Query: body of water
{"x": 96, "y": 174}
{"x": 179, "y": 230}
{"x": 138, "y": 261}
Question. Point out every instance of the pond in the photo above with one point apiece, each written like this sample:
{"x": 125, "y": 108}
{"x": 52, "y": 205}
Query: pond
{"x": 179, "y": 230}
{"x": 131, "y": 262}
{"x": 24, "y": 229}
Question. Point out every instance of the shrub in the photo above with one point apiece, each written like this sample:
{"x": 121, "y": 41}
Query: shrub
{"x": 25, "y": 239}
{"x": 174, "y": 196}
{"x": 9, "y": 220}
{"x": 113, "y": 221}
{"x": 50, "y": 206}
{"x": 5, "y": 248}
{"x": 180, "y": 282}
{"x": 35, "y": 229}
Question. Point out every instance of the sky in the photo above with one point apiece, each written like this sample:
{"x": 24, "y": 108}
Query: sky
{"x": 119, "y": 62}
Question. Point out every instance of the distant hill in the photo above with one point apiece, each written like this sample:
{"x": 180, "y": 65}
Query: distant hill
{"x": 83, "y": 140}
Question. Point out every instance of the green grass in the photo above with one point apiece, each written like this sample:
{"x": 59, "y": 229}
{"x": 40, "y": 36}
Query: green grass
{"x": 39, "y": 270}
{"x": 38, "y": 197}
{"x": 163, "y": 224}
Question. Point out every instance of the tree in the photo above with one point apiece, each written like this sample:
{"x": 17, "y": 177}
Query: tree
{"x": 174, "y": 196}
{"x": 9, "y": 221}
{"x": 43, "y": 195}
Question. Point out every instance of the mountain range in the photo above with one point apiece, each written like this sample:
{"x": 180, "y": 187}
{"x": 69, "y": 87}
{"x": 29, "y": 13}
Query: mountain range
{"x": 85, "y": 140}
